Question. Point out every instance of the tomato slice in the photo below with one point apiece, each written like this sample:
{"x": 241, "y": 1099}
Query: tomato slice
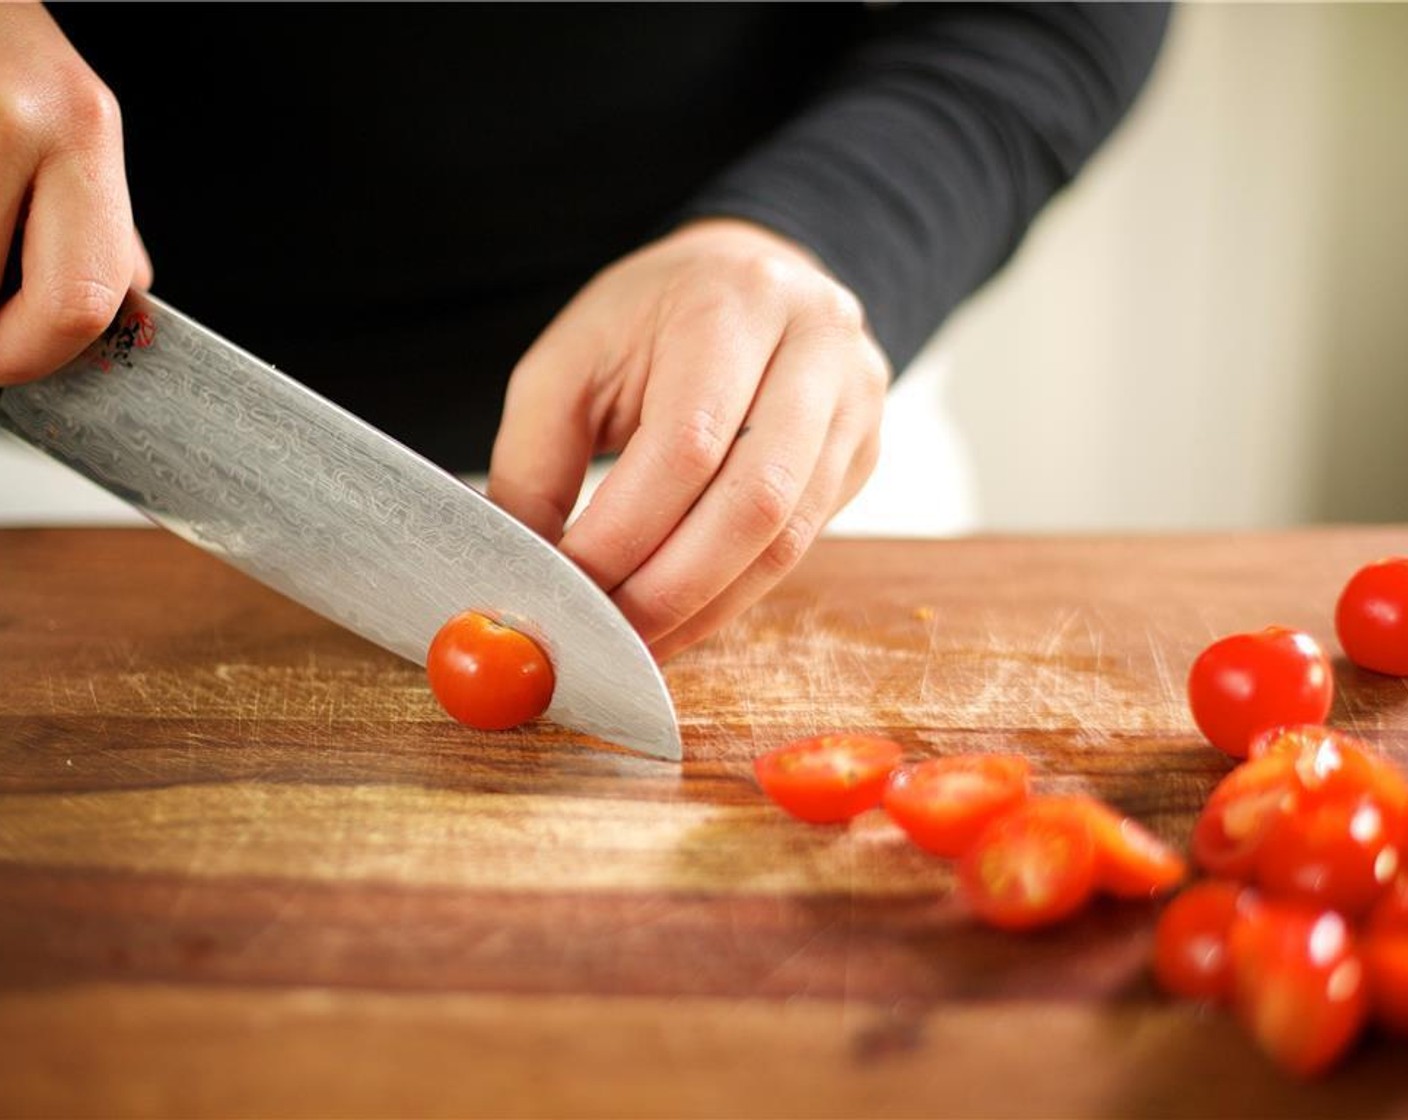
{"x": 1241, "y": 812}
{"x": 943, "y": 803}
{"x": 1298, "y": 984}
{"x": 1031, "y": 866}
{"x": 829, "y": 778}
{"x": 1191, "y": 957}
{"x": 1130, "y": 861}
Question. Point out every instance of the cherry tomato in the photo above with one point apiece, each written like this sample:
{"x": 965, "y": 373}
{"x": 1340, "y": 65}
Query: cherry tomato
{"x": 1298, "y": 984}
{"x": 1130, "y": 861}
{"x": 1385, "y": 951}
{"x": 1030, "y": 867}
{"x": 1240, "y": 812}
{"x": 1371, "y": 617}
{"x": 1190, "y": 941}
{"x": 1339, "y": 853}
{"x": 943, "y": 803}
{"x": 488, "y": 675}
{"x": 1246, "y": 683}
{"x": 1292, "y": 739}
{"x": 828, "y": 778}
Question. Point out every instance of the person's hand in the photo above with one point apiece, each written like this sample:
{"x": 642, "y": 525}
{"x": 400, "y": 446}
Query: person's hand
{"x": 744, "y": 392}
{"x": 62, "y": 182}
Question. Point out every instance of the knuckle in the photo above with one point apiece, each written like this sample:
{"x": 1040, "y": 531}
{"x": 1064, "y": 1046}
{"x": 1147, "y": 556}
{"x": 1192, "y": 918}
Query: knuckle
{"x": 789, "y": 546}
{"x": 838, "y": 307}
{"x": 766, "y": 500}
{"x": 669, "y": 607}
{"x": 89, "y": 108}
{"x": 698, "y": 447}
{"x": 81, "y": 309}
{"x": 767, "y": 279}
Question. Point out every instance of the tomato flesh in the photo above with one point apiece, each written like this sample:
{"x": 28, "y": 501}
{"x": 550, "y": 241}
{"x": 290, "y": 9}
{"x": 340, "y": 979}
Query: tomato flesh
{"x": 1240, "y": 813}
{"x": 487, "y": 675}
{"x": 1244, "y": 684}
{"x": 1371, "y": 617}
{"x": 1130, "y": 861}
{"x": 943, "y": 803}
{"x": 1030, "y": 867}
{"x": 1191, "y": 957}
{"x": 1298, "y": 984}
{"x": 827, "y": 779}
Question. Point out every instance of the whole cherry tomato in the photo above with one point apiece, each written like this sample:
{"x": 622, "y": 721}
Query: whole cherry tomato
{"x": 1032, "y": 866}
{"x": 831, "y": 778}
{"x": 1298, "y": 984}
{"x": 1338, "y": 853}
{"x": 1371, "y": 617}
{"x": 1244, "y": 684}
{"x": 1191, "y": 957}
{"x": 1385, "y": 951}
{"x": 943, "y": 803}
{"x": 487, "y": 675}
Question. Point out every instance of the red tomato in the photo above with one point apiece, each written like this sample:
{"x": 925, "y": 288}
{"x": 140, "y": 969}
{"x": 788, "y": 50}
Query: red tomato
{"x": 1371, "y": 617}
{"x": 1386, "y": 965}
{"x": 943, "y": 803}
{"x": 1130, "y": 861}
{"x": 828, "y": 778}
{"x": 1190, "y": 942}
{"x": 1246, "y": 683}
{"x": 1298, "y": 984}
{"x": 1032, "y": 866}
{"x": 1385, "y": 951}
{"x": 1340, "y": 854}
{"x": 1239, "y": 814}
{"x": 488, "y": 675}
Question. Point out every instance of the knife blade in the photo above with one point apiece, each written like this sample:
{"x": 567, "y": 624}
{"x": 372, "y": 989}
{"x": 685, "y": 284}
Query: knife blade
{"x": 275, "y": 480}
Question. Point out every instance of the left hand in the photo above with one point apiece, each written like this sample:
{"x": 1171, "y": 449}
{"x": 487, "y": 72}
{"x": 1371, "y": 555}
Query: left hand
{"x": 741, "y": 387}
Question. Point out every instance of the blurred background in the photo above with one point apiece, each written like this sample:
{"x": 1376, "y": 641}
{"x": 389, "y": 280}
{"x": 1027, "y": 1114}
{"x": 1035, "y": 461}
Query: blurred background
{"x": 1210, "y": 328}
{"x": 1208, "y": 331}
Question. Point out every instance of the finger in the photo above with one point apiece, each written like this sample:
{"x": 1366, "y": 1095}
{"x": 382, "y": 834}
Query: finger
{"x": 546, "y": 437}
{"x": 750, "y": 502}
{"x": 704, "y": 372}
{"x": 845, "y": 465}
{"x": 76, "y": 265}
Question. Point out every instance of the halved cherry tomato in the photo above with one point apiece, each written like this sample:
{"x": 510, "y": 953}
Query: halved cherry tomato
{"x": 1030, "y": 867}
{"x": 1130, "y": 861}
{"x": 828, "y": 778}
{"x": 1191, "y": 957}
{"x": 1371, "y": 617}
{"x": 1292, "y": 739}
{"x": 1298, "y": 984}
{"x": 1244, "y": 684}
{"x": 1240, "y": 812}
{"x": 943, "y": 803}
{"x": 488, "y": 675}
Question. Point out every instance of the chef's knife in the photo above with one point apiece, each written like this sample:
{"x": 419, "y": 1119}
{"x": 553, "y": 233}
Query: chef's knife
{"x": 232, "y": 455}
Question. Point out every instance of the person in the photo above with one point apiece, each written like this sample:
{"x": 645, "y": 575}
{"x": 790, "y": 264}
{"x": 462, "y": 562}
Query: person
{"x": 699, "y": 236}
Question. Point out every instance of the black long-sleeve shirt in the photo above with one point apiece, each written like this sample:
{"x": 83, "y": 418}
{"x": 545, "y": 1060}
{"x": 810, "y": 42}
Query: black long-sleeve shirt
{"x": 390, "y": 202}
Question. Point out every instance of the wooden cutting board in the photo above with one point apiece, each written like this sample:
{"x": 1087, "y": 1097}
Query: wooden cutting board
{"x": 247, "y": 867}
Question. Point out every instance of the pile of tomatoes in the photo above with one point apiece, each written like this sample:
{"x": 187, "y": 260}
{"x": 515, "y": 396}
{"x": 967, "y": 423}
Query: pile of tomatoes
{"x": 1300, "y": 923}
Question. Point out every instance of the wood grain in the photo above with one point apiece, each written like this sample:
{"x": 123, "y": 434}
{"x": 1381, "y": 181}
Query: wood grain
{"x": 247, "y": 868}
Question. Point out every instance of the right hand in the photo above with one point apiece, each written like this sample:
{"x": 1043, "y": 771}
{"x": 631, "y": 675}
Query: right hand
{"x": 64, "y": 187}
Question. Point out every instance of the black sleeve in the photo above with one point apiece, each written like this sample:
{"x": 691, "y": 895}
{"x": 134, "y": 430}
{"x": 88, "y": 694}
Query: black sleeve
{"x": 916, "y": 171}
